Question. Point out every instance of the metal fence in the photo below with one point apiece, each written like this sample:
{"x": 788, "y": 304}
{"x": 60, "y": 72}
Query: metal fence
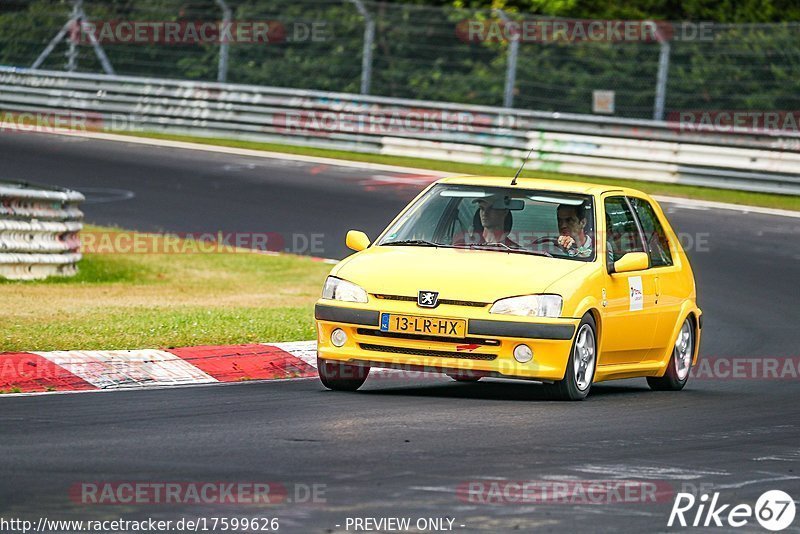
{"x": 566, "y": 143}
{"x": 39, "y": 229}
{"x": 475, "y": 57}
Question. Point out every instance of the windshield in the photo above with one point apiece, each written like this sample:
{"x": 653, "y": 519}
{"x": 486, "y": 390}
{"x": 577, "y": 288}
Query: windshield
{"x": 503, "y": 219}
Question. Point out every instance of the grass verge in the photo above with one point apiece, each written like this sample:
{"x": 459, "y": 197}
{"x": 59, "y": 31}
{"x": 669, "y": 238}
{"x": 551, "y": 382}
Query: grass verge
{"x": 130, "y": 301}
{"x": 788, "y": 202}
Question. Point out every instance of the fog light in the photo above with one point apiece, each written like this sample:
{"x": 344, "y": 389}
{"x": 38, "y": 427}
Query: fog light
{"x": 523, "y": 353}
{"x": 338, "y": 337}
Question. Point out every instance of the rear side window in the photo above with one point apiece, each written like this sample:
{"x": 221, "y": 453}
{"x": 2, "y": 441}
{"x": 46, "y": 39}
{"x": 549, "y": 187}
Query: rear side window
{"x": 654, "y": 235}
{"x": 622, "y": 233}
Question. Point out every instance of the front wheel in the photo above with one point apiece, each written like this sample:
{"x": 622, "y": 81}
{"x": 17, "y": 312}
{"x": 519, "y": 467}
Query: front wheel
{"x": 578, "y": 379}
{"x": 680, "y": 363}
{"x": 341, "y": 376}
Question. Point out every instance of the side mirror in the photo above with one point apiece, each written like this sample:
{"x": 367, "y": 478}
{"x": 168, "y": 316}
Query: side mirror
{"x": 356, "y": 240}
{"x": 632, "y": 261}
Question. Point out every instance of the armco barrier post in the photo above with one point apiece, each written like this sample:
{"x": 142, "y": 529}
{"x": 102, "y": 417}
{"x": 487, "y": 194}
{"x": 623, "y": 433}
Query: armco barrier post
{"x": 511, "y": 65}
{"x": 663, "y": 73}
{"x": 222, "y": 68}
{"x": 369, "y": 41}
{"x": 72, "y": 48}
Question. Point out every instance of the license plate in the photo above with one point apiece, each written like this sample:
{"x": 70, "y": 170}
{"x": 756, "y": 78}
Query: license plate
{"x": 432, "y": 326}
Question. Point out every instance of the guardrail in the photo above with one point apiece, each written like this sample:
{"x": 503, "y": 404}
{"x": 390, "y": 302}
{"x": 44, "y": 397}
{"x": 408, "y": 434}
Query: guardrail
{"x": 765, "y": 161}
{"x": 39, "y": 229}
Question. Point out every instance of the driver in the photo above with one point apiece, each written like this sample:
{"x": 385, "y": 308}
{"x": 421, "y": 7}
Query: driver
{"x": 571, "y": 228}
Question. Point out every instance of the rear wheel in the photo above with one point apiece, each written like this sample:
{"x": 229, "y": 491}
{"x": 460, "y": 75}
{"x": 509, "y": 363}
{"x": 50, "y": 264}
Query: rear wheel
{"x": 578, "y": 379}
{"x": 680, "y": 363}
{"x": 341, "y": 376}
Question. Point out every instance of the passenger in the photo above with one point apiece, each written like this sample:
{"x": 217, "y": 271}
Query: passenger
{"x": 495, "y": 223}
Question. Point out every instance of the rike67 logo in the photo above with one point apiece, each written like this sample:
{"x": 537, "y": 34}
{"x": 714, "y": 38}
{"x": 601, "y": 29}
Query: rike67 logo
{"x": 774, "y": 510}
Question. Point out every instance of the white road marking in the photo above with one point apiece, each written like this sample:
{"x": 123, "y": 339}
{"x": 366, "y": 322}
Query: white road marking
{"x": 673, "y": 208}
{"x": 791, "y": 456}
{"x": 647, "y": 471}
{"x": 690, "y": 203}
{"x": 738, "y": 485}
{"x": 97, "y": 195}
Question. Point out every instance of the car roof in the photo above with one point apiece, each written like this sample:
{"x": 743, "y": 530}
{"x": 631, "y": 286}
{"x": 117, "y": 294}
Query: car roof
{"x": 562, "y": 186}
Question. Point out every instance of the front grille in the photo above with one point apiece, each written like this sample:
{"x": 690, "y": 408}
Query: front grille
{"x": 450, "y": 302}
{"x": 423, "y": 352}
{"x": 419, "y": 337}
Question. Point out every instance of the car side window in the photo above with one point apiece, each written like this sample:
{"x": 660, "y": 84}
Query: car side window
{"x": 655, "y": 237}
{"x": 622, "y": 232}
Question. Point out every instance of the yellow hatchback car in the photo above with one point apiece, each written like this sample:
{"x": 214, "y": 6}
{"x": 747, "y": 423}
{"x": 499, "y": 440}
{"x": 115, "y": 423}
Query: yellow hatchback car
{"x": 563, "y": 283}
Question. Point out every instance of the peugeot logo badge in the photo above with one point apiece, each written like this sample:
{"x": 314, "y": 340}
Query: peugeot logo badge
{"x": 428, "y": 299}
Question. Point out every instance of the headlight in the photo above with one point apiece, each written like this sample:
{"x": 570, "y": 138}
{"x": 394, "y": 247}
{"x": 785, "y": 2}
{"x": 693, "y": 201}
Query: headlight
{"x": 338, "y": 289}
{"x": 530, "y": 306}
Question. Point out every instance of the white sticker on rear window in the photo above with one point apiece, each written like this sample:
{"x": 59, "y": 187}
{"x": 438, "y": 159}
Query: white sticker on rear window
{"x": 635, "y": 292}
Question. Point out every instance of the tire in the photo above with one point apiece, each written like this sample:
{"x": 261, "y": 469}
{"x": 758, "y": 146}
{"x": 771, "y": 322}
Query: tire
{"x": 466, "y": 377}
{"x": 341, "y": 376}
{"x": 680, "y": 362}
{"x": 576, "y": 385}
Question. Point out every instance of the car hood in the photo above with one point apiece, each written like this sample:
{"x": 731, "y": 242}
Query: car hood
{"x": 474, "y": 275}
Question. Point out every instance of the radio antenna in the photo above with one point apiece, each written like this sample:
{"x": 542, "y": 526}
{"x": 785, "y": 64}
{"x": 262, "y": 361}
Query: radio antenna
{"x": 524, "y": 161}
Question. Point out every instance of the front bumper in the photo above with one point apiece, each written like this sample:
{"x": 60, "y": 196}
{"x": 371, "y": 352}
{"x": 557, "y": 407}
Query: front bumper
{"x": 487, "y": 349}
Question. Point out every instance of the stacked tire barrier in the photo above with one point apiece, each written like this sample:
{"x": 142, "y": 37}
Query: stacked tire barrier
{"x": 39, "y": 231}
{"x": 758, "y": 161}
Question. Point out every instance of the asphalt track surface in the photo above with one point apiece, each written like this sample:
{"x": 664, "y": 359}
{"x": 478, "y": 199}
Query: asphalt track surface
{"x": 401, "y": 448}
